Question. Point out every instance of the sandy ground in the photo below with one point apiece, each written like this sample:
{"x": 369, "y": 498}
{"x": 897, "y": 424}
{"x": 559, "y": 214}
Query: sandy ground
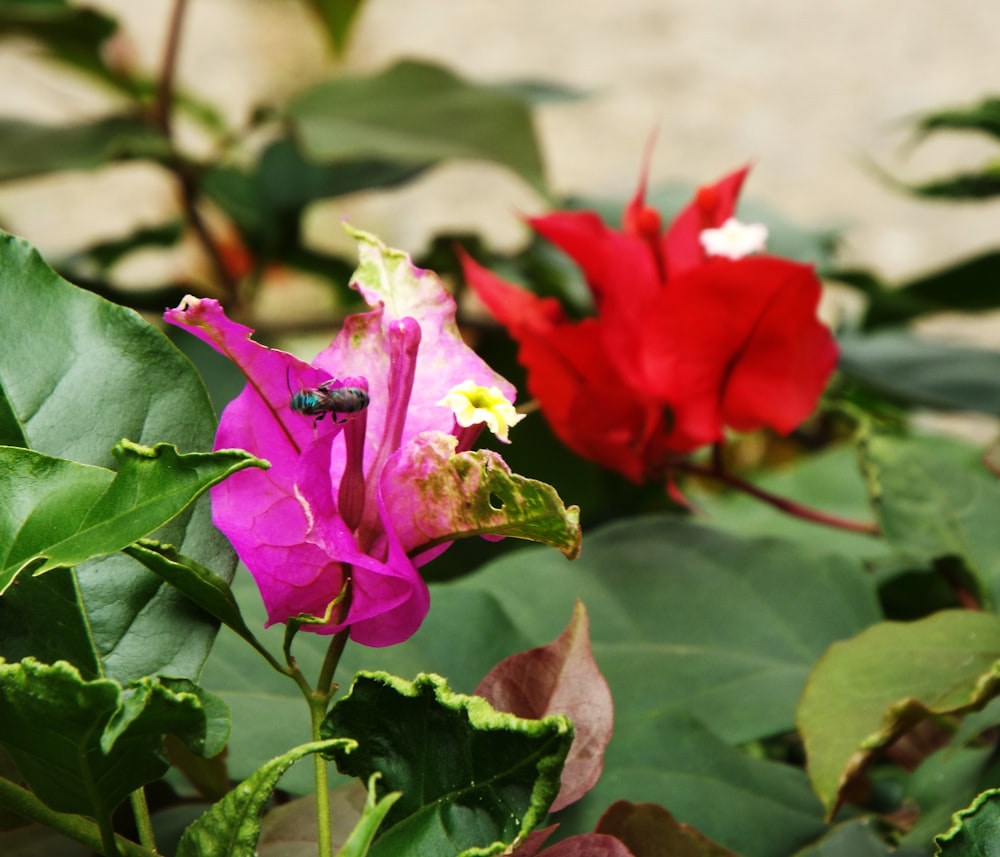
{"x": 807, "y": 91}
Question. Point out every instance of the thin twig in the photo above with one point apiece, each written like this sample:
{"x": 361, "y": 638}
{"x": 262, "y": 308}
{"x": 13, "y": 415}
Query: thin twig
{"x": 187, "y": 178}
{"x": 718, "y": 472}
{"x": 189, "y": 201}
{"x": 163, "y": 106}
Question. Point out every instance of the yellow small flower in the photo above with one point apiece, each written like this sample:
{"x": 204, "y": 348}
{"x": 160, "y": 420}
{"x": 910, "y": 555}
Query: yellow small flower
{"x": 473, "y": 404}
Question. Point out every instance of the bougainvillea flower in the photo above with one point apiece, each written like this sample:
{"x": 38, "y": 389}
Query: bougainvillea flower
{"x": 355, "y": 501}
{"x": 692, "y": 333}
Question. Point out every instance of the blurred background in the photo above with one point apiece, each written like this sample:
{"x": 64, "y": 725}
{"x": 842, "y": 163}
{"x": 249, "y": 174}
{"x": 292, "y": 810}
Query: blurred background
{"x": 812, "y": 94}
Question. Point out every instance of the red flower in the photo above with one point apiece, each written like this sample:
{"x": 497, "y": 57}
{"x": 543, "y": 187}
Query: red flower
{"x": 684, "y": 342}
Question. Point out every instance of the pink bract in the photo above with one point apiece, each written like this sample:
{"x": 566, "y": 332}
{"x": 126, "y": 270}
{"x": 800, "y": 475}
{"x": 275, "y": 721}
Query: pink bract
{"x": 331, "y": 510}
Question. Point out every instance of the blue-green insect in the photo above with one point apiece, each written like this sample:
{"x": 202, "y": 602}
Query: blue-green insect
{"x": 322, "y": 400}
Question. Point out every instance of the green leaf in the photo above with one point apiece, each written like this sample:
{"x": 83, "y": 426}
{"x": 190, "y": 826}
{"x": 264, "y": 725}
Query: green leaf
{"x": 984, "y": 184}
{"x": 983, "y": 116}
{"x": 232, "y": 826}
{"x": 337, "y": 16}
{"x": 965, "y": 286}
{"x": 65, "y": 513}
{"x": 473, "y": 780}
{"x": 945, "y": 782}
{"x": 269, "y": 201}
{"x": 287, "y": 181}
{"x": 31, "y": 149}
{"x": 935, "y": 499}
{"x": 975, "y": 832}
{"x": 535, "y": 91}
{"x": 867, "y": 691}
{"x": 722, "y": 621}
{"x": 80, "y": 374}
{"x": 11, "y": 433}
{"x": 201, "y": 585}
{"x": 48, "y": 499}
{"x": 83, "y": 746}
{"x": 856, "y": 839}
{"x": 754, "y": 807}
{"x": 373, "y": 815}
{"x": 70, "y": 33}
{"x": 923, "y": 373}
{"x": 417, "y": 114}
{"x": 26, "y": 631}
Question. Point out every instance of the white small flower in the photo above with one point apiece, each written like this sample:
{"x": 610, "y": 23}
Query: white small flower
{"x": 734, "y": 240}
{"x": 473, "y": 404}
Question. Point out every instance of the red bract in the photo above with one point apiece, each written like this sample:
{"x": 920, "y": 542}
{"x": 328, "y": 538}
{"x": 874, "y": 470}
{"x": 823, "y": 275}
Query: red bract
{"x": 683, "y": 343}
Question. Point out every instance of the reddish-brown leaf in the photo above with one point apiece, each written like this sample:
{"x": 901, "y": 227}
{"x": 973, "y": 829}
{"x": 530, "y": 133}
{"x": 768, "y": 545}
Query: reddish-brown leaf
{"x": 588, "y": 845}
{"x": 650, "y": 831}
{"x": 534, "y": 842}
{"x": 560, "y": 678}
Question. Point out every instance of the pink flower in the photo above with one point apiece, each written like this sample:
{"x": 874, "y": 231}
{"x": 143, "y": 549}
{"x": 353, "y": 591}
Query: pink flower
{"x": 352, "y": 504}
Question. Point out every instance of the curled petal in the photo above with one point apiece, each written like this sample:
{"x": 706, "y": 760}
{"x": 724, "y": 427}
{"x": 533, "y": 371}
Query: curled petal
{"x": 316, "y": 530}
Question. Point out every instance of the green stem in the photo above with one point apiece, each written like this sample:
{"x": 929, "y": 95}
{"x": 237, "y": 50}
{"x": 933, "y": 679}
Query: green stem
{"x": 325, "y": 684}
{"x": 319, "y": 701}
{"x": 109, "y": 845}
{"x": 140, "y": 811}
{"x": 317, "y": 711}
{"x": 75, "y": 827}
